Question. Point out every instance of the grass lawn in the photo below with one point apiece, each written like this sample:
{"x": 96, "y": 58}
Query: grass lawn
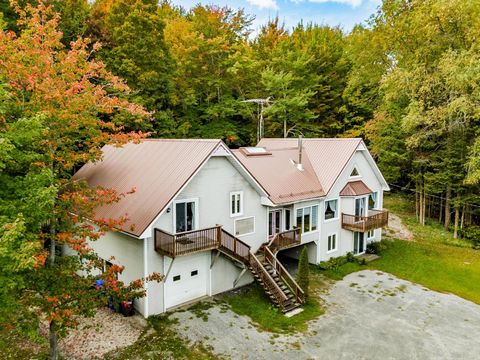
{"x": 434, "y": 260}
{"x": 159, "y": 341}
{"x": 253, "y": 303}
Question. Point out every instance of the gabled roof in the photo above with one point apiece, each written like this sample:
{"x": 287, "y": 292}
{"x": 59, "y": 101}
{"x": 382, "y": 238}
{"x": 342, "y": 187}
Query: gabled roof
{"x": 328, "y": 157}
{"x": 355, "y": 188}
{"x": 276, "y": 173}
{"x": 157, "y": 168}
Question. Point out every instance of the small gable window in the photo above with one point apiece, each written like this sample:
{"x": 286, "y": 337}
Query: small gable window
{"x": 236, "y": 203}
{"x": 354, "y": 172}
{"x": 331, "y": 211}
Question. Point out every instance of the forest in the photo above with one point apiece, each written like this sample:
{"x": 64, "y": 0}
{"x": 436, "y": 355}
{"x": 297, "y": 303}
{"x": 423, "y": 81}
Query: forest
{"x": 76, "y": 74}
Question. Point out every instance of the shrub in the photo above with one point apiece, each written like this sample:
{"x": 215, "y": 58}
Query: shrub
{"x": 472, "y": 233}
{"x": 335, "y": 262}
{"x": 303, "y": 274}
{"x": 375, "y": 247}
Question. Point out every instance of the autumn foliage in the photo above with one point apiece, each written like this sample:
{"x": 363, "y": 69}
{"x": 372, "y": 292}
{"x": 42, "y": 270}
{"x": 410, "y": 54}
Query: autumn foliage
{"x": 57, "y": 111}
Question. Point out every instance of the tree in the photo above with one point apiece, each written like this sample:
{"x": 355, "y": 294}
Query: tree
{"x": 303, "y": 272}
{"x": 54, "y": 117}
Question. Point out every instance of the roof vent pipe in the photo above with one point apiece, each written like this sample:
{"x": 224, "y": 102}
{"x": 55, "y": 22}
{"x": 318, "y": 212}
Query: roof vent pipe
{"x": 300, "y": 148}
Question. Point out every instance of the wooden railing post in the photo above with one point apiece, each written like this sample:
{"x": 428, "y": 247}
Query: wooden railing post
{"x": 219, "y": 235}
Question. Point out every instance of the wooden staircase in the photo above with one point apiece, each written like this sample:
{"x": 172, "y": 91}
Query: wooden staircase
{"x": 267, "y": 270}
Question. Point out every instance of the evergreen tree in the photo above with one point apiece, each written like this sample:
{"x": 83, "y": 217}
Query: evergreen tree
{"x": 303, "y": 271}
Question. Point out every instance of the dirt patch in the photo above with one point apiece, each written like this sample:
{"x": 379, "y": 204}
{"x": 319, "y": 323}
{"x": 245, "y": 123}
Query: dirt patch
{"x": 104, "y": 332}
{"x": 396, "y": 229}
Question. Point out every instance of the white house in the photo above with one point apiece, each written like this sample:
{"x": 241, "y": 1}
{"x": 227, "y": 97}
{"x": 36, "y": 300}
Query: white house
{"x": 211, "y": 219}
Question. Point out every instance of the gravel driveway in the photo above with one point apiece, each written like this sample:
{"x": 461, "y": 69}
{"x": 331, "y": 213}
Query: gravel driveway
{"x": 369, "y": 315}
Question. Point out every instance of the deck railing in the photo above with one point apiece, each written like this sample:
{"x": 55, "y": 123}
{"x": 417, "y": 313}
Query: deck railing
{"x": 375, "y": 220}
{"x": 285, "y": 239}
{"x": 285, "y": 275}
{"x": 268, "y": 282}
{"x": 187, "y": 242}
{"x": 234, "y": 247}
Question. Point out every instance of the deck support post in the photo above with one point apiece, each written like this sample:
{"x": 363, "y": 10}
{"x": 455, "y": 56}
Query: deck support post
{"x": 244, "y": 270}
{"x": 217, "y": 255}
{"x": 168, "y": 271}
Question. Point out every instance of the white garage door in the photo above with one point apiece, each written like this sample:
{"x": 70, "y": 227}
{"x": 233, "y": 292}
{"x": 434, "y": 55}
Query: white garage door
{"x": 187, "y": 279}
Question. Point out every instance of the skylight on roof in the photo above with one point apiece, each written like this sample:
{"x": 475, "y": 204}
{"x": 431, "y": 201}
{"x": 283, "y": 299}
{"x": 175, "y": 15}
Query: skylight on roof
{"x": 255, "y": 151}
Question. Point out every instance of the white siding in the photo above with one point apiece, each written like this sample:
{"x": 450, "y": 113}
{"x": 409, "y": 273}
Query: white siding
{"x": 128, "y": 252}
{"x": 347, "y": 205}
{"x": 212, "y": 187}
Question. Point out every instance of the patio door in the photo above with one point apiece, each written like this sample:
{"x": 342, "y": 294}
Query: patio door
{"x": 274, "y": 222}
{"x": 360, "y": 206}
{"x": 358, "y": 243}
{"x": 185, "y": 216}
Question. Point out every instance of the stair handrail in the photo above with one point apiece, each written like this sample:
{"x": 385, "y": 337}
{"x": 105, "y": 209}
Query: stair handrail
{"x": 285, "y": 276}
{"x": 295, "y": 231}
{"x": 270, "y": 283}
{"x": 234, "y": 250}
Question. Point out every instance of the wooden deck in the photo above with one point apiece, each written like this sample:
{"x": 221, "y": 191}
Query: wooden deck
{"x": 285, "y": 239}
{"x": 188, "y": 242}
{"x": 375, "y": 220}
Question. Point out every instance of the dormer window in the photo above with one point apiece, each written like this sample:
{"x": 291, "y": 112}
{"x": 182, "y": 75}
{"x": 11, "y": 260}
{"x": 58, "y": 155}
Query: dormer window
{"x": 354, "y": 172}
{"x": 331, "y": 209}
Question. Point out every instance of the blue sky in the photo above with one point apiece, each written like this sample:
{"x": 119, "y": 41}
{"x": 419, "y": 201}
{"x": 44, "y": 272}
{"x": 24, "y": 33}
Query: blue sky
{"x": 344, "y": 13}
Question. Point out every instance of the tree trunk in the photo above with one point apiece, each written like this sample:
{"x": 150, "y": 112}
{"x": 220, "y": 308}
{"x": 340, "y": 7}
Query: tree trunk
{"x": 417, "y": 203}
{"x": 441, "y": 210}
{"x": 462, "y": 219}
{"x": 424, "y": 210}
{"x": 447, "y": 208}
{"x": 457, "y": 220}
{"x": 53, "y": 341}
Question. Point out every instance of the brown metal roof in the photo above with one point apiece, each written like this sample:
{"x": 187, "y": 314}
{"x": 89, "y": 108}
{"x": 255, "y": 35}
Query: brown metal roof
{"x": 355, "y": 188}
{"x": 157, "y": 168}
{"x": 328, "y": 157}
{"x": 280, "y": 178}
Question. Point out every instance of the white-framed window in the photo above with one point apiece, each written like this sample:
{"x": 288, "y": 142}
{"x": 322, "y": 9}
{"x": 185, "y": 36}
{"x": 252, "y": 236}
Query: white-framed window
{"x": 373, "y": 201}
{"x": 370, "y": 234}
{"x": 331, "y": 209}
{"x": 185, "y": 215}
{"x": 307, "y": 218}
{"x": 332, "y": 242}
{"x": 244, "y": 226}
{"x": 236, "y": 203}
{"x": 354, "y": 173}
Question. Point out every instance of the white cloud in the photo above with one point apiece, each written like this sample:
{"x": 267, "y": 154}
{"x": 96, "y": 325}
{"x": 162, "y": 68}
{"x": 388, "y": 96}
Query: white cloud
{"x": 264, "y": 4}
{"x": 353, "y": 3}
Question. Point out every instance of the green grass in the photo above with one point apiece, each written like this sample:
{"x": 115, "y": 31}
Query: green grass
{"x": 437, "y": 266}
{"x": 340, "y": 272}
{"x": 159, "y": 341}
{"x": 253, "y": 303}
{"x": 435, "y": 259}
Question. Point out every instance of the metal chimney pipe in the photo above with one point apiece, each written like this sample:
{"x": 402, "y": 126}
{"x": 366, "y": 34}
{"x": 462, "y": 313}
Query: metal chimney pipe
{"x": 300, "y": 148}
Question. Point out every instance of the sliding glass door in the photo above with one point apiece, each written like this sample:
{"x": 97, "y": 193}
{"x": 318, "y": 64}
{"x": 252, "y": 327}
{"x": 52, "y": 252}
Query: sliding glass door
{"x": 358, "y": 243}
{"x": 185, "y": 216}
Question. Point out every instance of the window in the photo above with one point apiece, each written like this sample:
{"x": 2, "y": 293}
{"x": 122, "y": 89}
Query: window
{"x": 236, "y": 203}
{"x": 354, "y": 172}
{"x": 185, "y": 214}
{"x": 176, "y": 278}
{"x": 287, "y": 219}
{"x": 307, "y": 218}
{"x": 331, "y": 211}
{"x": 373, "y": 201}
{"x": 245, "y": 226}
{"x": 370, "y": 234}
{"x": 194, "y": 273}
{"x": 332, "y": 242}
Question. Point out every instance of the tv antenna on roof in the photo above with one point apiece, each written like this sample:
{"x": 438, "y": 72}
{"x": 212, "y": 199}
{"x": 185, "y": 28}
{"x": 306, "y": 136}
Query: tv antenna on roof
{"x": 261, "y": 103}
